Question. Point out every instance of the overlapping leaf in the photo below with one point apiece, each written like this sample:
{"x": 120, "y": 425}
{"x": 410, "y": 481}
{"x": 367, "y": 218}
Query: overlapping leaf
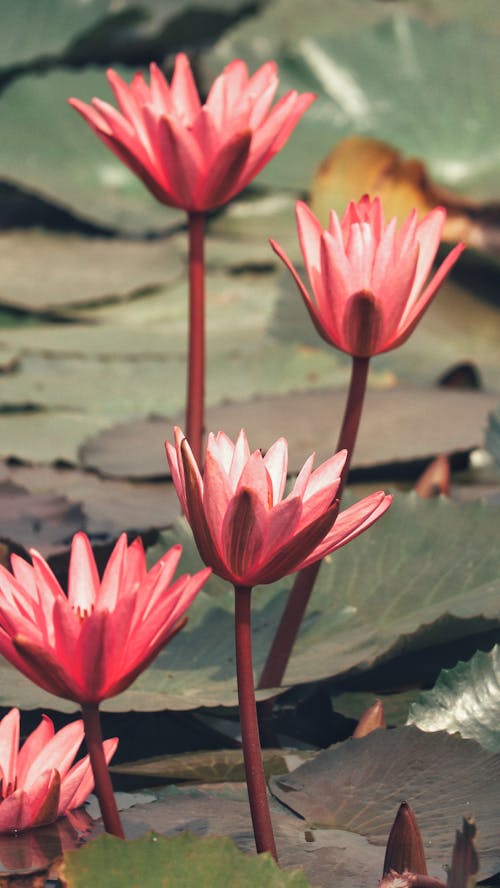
{"x": 426, "y": 574}
{"x": 154, "y": 862}
{"x": 464, "y": 699}
{"x": 401, "y": 80}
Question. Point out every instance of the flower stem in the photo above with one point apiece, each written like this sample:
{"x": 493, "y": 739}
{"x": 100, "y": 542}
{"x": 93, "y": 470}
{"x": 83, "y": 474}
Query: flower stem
{"x": 196, "y": 347}
{"x": 300, "y": 593}
{"x": 102, "y": 780}
{"x": 254, "y": 768}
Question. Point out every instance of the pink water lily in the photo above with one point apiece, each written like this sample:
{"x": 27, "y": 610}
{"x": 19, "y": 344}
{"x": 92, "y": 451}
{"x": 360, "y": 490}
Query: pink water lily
{"x": 370, "y": 281}
{"x": 92, "y": 643}
{"x": 39, "y": 783}
{"x": 191, "y": 155}
{"x": 244, "y": 527}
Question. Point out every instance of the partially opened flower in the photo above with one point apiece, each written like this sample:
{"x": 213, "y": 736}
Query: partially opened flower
{"x": 370, "y": 281}
{"x": 191, "y": 155}
{"x": 92, "y": 643}
{"x": 39, "y": 782}
{"x": 244, "y": 528}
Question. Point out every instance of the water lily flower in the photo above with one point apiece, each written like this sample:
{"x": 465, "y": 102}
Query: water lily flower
{"x": 191, "y": 155}
{"x": 39, "y": 783}
{"x": 370, "y": 282}
{"x": 244, "y": 528}
{"x": 92, "y": 643}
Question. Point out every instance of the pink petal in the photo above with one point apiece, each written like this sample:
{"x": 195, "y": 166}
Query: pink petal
{"x": 195, "y": 511}
{"x": 184, "y": 92}
{"x": 11, "y": 812}
{"x": 58, "y": 754}
{"x": 113, "y": 576}
{"x": 241, "y": 455}
{"x": 33, "y": 745}
{"x": 225, "y": 170}
{"x": 9, "y": 745}
{"x": 79, "y": 782}
{"x": 243, "y": 534}
{"x": 294, "y": 550}
{"x": 349, "y": 524}
{"x": 276, "y": 463}
{"x": 225, "y": 92}
{"x": 83, "y": 579}
{"x": 218, "y": 493}
{"x": 310, "y": 234}
{"x": 177, "y": 151}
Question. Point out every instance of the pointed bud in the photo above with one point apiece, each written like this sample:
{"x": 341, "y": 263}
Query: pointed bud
{"x": 435, "y": 480}
{"x": 371, "y": 719}
{"x": 465, "y": 860}
{"x": 405, "y": 848}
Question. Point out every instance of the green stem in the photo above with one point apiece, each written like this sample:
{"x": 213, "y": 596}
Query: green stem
{"x": 195, "y": 408}
{"x": 254, "y": 768}
{"x": 300, "y": 593}
{"x": 102, "y": 780}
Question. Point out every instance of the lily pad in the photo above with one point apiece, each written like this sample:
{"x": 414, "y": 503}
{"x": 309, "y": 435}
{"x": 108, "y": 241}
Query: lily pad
{"x": 154, "y": 861}
{"x": 465, "y": 699}
{"x": 46, "y": 522}
{"x": 213, "y": 766}
{"x": 462, "y": 324}
{"x": 66, "y": 164}
{"x": 103, "y": 508}
{"x": 357, "y": 785}
{"x": 210, "y": 810}
{"x": 399, "y": 425}
{"x": 47, "y": 272}
{"x": 53, "y": 26}
{"x": 426, "y": 574}
{"x": 416, "y": 102}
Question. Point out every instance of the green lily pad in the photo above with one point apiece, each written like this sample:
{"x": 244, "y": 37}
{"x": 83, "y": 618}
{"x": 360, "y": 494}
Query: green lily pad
{"x": 401, "y": 80}
{"x": 464, "y": 699}
{"x": 155, "y": 861}
{"x": 213, "y": 766}
{"x": 104, "y": 508}
{"x": 426, "y": 574}
{"x": 357, "y": 786}
{"x": 53, "y": 26}
{"x": 462, "y": 324}
{"x": 66, "y": 163}
{"x": 399, "y": 425}
{"x": 67, "y": 271}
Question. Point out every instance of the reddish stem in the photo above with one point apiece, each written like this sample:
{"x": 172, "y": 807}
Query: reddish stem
{"x": 254, "y": 768}
{"x": 102, "y": 781}
{"x": 300, "y": 593}
{"x": 196, "y": 348}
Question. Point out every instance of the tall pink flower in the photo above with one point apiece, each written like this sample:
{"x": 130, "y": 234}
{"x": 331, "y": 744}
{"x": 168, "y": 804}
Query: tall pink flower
{"x": 191, "y": 155}
{"x": 92, "y": 643}
{"x": 370, "y": 282}
{"x": 244, "y": 528}
{"x": 38, "y": 783}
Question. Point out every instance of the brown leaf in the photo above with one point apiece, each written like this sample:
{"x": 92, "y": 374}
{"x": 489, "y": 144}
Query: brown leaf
{"x": 359, "y": 165}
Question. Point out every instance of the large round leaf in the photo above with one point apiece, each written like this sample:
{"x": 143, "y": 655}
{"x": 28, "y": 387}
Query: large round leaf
{"x": 429, "y": 90}
{"x": 53, "y": 26}
{"x": 49, "y": 150}
{"x": 357, "y": 786}
{"x": 426, "y": 574}
{"x": 464, "y": 699}
{"x": 156, "y": 862}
